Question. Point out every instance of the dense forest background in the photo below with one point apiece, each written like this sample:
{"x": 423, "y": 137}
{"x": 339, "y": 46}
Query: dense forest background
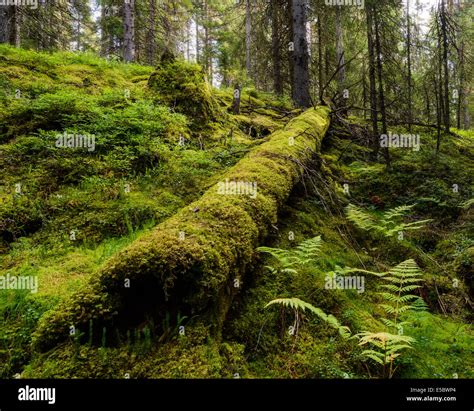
{"x": 412, "y": 58}
{"x": 227, "y": 189}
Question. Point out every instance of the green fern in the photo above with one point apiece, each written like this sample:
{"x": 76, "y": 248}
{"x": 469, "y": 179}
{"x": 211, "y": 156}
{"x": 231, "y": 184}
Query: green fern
{"x": 385, "y": 348}
{"x": 298, "y": 305}
{"x": 466, "y": 205}
{"x": 388, "y": 225}
{"x": 307, "y": 251}
{"x": 399, "y": 285}
{"x": 303, "y": 254}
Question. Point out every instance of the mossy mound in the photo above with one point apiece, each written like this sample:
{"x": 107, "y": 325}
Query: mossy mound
{"x": 166, "y": 271}
{"x": 183, "y": 87}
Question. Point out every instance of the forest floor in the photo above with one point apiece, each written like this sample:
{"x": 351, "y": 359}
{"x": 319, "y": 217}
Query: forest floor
{"x": 153, "y": 142}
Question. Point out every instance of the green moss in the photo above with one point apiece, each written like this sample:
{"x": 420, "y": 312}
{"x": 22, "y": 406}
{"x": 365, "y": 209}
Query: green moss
{"x": 443, "y": 348}
{"x": 183, "y": 86}
{"x": 192, "y": 355}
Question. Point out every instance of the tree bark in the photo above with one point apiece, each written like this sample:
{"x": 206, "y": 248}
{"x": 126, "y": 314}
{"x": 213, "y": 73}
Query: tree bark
{"x": 16, "y": 27}
{"x": 129, "y": 31}
{"x": 151, "y": 36}
{"x": 410, "y": 102}
{"x": 341, "y": 75}
{"x": 248, "y": 37}
{"x": 383, "y": 112}
{"x": 441, "y": 100}
{"x": 207, "y": 43}
{"x": 444, "y": 33}
{"x": 301, "y": 95}
{"x": 320, "y": 62}
{"x": 276, "y": 49}
{"x": 372, "y": 84}
{"x": 438, "y": 114}
{"x": 5, "y": 24}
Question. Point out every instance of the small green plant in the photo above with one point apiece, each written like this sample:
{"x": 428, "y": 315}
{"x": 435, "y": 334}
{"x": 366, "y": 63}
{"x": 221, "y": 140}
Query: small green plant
{"x": 303, "y": 254}
{"x": 389, "y": 224}
{"x": 298, "y": 306}
{"x": 386, "y": 347}
{"x": 400, "y": 282}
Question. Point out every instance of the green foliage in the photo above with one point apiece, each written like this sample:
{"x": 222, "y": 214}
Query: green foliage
{"x": 399, "y": 283}
{"x": 298, "y": 305}
{"x": 389, "y": 224}
{"x": 386, "y": 349}
{"x": 302, "y": 255}
{"x": 443, "y": 347}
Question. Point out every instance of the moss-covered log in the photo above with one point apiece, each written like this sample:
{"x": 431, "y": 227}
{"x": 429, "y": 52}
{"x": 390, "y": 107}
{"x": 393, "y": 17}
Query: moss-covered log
{"x": 189, "y": 262}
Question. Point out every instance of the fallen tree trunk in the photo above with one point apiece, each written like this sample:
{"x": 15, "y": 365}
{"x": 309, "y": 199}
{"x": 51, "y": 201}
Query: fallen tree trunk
{"x": 190, "y": 263}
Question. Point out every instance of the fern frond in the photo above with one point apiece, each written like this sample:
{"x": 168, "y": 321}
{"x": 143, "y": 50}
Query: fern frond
{"x": 374, "y": 355}
{"x": 303, "y": 254}
{"x": 307, "y": 250}
{"x": 389, "y": 224}
{"x": 297, "y": 304}
{"x": 360, "y": 218}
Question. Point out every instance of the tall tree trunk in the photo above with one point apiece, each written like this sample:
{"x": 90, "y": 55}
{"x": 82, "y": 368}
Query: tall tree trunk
{"x": 103, "y": 35}
{"x": 364, "y": 88}
{"x": 129, "y": 31}
{"x": 16, "y": 26}
{"x": 320, "y": 62}
{"x": 410, "y": 102}
{"x": 198, "y": 46}
{"x": 188, "y": 40}
{"x": 341, "y": 75}
{"x": 78, "y": 32}
{"x": 438, "y": 98}
{"x": 291, "y": 52}
{"x": 466, "y": 123}
{"x": 444, "y": 33}
{"x": 301, "y": 95}
{"x": 276, "y": 49}
{"x": 372, "y": 84}
{"x": 5, "y": 24}
{"x": 441, "y": 99}
{"x": 383, "y": 112}
{"x": 207, "y": 43}
{"x": 151, "y": 36}
{"x": 248, "y": 37}
{"x": 462, "y": 100}
{"x": 428, "y": 106}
